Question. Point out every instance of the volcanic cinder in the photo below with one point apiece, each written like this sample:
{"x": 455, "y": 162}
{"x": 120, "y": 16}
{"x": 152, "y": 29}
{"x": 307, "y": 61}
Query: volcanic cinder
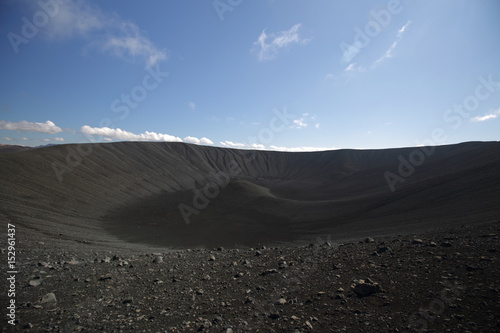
{"x": 179, "y": 195}
{"x": 173, "y": 237}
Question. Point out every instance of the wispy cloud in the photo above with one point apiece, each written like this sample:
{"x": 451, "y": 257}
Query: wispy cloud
{"x": 304, "y": 121}
{"x": 26, "y": 126}
{"x": 191, "y": 105}
{"x": 489, "y": 116}
{"x": 107, "y": 32}
{"x": 389, "y": 52}
{"x": 299, "y": 149}
{"x": 255, "y": 146}
{"x": 299, "y": 123}
{"x": 268, "y": 46}
{"x": 353, "y": 68}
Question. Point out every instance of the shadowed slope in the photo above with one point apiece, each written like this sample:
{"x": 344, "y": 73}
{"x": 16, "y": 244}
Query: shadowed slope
{"x": 133, "y": 191}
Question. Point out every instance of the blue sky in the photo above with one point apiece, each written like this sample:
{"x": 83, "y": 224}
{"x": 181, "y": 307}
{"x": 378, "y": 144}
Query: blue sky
{"x": 279, "y": 75}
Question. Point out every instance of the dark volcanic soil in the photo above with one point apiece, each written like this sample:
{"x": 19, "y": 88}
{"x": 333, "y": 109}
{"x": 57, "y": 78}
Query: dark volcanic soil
{"x": 447, "y": 281}
{"x": 102, "y": 246}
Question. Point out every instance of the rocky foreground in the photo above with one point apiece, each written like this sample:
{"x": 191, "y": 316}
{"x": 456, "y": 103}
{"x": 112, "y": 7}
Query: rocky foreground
{"x": 446, "y": 281}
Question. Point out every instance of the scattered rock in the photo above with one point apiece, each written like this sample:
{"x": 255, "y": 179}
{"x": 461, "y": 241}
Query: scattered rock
{"x": 417, "y": 241}
{"x": 369, "y": 240}
{"x": 211, "y": 258}
{"x": 48, "y": 298}
{"x": 158, "y": 260}
{"x": 384, "y": 249}
{"x": 35, "y": 282}
{"x": 274, "y": 315}
{"x": 269, "y": 271}
{"x": 280, "y": 301}
{"x": 364, "y": 288}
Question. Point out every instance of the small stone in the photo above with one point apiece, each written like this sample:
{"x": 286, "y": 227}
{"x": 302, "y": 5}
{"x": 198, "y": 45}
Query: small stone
{"x": 384, "y": 249}
{"x": 281, "y": 301}
{"x": 366, "y": 288}
{"x": 158, "y": 260}
{"x": 417, "y": 241}
{"x": 432, "y": 244}
{"x": 258, "y": 253}
{"x": 269, "y": 271}
{"x": 35, "y": 282}
{"x": 28, "y": 326}
{"x": 48, "y": 298}
{"x": 369, "y": 240}
{"x": 274, "y": 315}
{"x": 211, "y": 258}
{"x": 308, "y": 325}
{"x": 229, "y": 330}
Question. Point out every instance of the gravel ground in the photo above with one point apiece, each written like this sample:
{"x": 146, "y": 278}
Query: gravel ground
{"x": 445, "y": 281}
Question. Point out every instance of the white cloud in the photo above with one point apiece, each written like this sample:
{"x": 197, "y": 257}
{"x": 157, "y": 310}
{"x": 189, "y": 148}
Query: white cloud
{"x": 24, "y": 138}
{"x": 191, "y": 105}
{"x": 489, "y": 116}
{"x": 203, "y": 141}
{"x": 300, "y": 149}
{"x": 256, "y": 146}
{"x": 232, "y": 144}
{"x": 354, "y": 68}
{"x": 117, "y": 133}
{"x": 268, "y": 46}
{"x": 108, "y": 32}
{"x": 26, "y": 126}
{"x": 316, "y": 126}
{"x": 59, "y": 139}
{"x": 389, "y": 52}
{"x": 7, "y": 138}
{"x": 299, "y": 123}
{"x": 403, "y": 29}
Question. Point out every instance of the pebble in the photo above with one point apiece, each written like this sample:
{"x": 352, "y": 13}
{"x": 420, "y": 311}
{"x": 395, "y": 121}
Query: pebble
{"x": 48, "y": 298}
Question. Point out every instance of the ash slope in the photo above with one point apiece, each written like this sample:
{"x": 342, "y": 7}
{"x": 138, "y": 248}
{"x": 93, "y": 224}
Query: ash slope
{"x": 131, "y": 191}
